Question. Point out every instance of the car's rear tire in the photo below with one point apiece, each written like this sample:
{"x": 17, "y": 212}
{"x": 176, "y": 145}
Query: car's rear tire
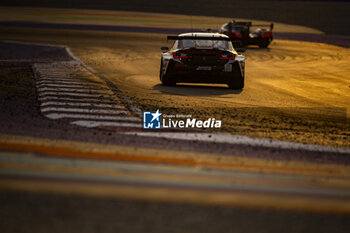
{"x": 164, "y": 78}
{"x": 237, "y": 83}
{"x": 264, "y": 43}
{"x": 166, "y": 81}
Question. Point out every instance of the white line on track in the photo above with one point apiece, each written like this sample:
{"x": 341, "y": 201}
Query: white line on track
{"x": 243, "y": 140}
{"x": 79, "y": 61}
{"x": 71, "y": 86}
{"x": 33, "y": 43}
{"x": 50, "y": 73}
{"x": 91, "y": 117}
{"x": 78, "y": 99}
{"x": 82, "y": 104}
{"x": 75, "y": 90}
{"x": 82, "y": 110}
{"x": 58, "y": 82}
{"x": 48, "y": 93}
{"x": 56, "y": 79}
{"x": 120, "y": 94}
{"x": 91, "y": 124}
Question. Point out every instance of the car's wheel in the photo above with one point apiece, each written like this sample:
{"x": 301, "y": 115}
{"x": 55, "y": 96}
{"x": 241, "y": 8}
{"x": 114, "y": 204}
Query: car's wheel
{"x": 161, "y": 70}
{"x": 166, "y": 81}
{"x": 164, "y": 78}
{"x": 237, "y": 83}
{"x": 264, "y": 43}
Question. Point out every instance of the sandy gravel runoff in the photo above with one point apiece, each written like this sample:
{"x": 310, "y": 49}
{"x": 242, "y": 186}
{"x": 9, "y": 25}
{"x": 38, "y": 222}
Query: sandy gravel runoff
{"x": 295, "y": 91}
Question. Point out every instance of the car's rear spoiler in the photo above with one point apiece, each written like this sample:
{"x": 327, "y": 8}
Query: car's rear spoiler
{"x": 197, "y": 38}
{"x": 263, "y": 25}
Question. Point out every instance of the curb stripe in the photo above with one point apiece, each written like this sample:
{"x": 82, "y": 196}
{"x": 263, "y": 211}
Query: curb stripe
{"x": 44, "y": 93}
{"x": 75, "y": 90}
{"x": 58, "y": 82}
{"x": 80, "y": 101}
{"x": 81, "y": 110}
{"x": 91, "y": 124}
{"x": 71, "y": 86}
{"x": 91, "y": 117}
{"x": 77, "y": 99}
{"x": 82, "y": 104}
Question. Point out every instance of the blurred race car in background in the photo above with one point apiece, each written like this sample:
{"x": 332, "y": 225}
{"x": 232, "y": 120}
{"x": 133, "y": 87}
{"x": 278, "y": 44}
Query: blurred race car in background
{"x": 241, "y": 34}
{"x": 202, "y": 58}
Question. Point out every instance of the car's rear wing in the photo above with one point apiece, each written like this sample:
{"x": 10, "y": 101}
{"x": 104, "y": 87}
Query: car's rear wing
{"x": 235, "y": 43}
{"x": 264, "y": 25}
{"x": 197, "y": 38}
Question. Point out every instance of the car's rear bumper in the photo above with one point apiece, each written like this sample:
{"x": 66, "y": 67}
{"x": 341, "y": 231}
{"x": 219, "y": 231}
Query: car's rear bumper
{"x": 223, "y": 73}
{"x": 203, "y": 76}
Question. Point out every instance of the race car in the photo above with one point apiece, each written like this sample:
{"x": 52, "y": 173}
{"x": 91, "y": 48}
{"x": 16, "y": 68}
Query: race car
{"x": 202, "y": 58}
{"x": 241, "y": 34}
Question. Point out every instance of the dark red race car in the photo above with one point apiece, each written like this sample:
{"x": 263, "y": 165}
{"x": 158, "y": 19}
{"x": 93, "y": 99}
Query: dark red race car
{"x": 241, "y": 34}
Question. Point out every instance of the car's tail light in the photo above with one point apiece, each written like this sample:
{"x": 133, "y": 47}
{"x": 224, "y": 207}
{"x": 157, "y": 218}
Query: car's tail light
{"x": 180, "y": 55}
{"x": 227, "y": 57}
{"x": 235, "y": 35}
{"x": 268, "y": 34}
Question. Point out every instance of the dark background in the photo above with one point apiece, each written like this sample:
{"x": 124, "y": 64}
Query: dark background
{"x": 331, "y": 17}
